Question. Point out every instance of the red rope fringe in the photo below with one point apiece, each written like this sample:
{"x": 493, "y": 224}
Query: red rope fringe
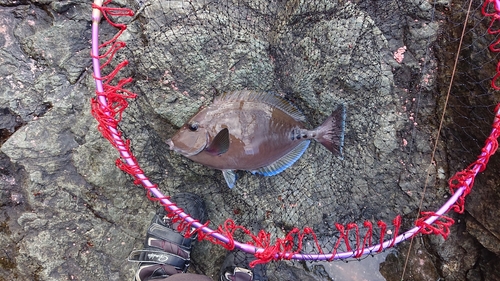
{"x": 493, "y": 28}
{"x": 109, "y": 116}
{"x": 439, "y": 227}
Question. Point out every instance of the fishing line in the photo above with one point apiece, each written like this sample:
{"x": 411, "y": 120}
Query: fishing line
{"x": 441, "y": 121}
{"x": 111, "y": 101}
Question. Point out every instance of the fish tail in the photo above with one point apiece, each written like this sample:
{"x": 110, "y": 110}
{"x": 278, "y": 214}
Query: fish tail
{"x": 331, "y": 132}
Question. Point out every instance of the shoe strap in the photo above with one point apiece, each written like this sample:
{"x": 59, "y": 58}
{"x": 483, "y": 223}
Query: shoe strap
{"x": 159, "y": 257}
{"x": 165, "y": 233}
{"x": 239, "y": 274}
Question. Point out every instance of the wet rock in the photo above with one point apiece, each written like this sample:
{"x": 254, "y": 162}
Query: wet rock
{"x": 419, "y": 265}
{"x": 12, "y": 205}
{"x": 289, "y": 271}
{"x": 12, "y": 2}
{"x": 485, "y": 237}
{"x": 486, "y": 268}
{"x": 74, "y": 230}
{"x": 466, "y": 134}
{"x": 70, "y": 54}
{"x": 9, "y": 123}
{"x": 55, "y": 224}
{"x": 366, "y": 268}
{"x": 67, "y": 212}
{"x": 482, "y": 220}
{"x": 457, "y": 254}
{"x": 8, "y": 120}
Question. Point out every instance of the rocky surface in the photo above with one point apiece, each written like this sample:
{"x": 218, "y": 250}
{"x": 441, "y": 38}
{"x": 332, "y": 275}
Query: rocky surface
{"x": 67, "y": 213}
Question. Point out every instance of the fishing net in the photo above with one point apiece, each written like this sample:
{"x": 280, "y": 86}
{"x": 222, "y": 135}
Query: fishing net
{"x": 416, "y": 113}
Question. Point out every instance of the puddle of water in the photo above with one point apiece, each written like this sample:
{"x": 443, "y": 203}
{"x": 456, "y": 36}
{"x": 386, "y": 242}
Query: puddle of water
{"x": 366, "y": 269}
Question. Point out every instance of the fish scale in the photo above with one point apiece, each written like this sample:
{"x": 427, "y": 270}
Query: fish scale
{"x": 258, "y": 132}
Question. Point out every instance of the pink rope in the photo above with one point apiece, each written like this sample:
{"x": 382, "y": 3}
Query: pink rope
{"x": 111, "y": 101}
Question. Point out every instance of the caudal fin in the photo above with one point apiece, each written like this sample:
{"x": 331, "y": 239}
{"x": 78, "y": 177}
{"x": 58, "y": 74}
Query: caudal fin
{"x": 331, "y": 132}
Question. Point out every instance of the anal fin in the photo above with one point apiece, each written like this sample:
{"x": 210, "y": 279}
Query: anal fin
{"x": 284, "y": 162}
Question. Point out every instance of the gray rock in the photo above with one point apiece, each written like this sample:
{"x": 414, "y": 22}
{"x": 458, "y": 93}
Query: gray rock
{"x": 457, "y": 254}
{"x": 486, "y": 235}
{"x": 9, "y": 122}
{"x": 67, "y": 212}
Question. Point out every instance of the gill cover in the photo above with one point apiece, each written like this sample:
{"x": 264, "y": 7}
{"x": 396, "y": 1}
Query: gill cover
{"x": 188, "y": 142}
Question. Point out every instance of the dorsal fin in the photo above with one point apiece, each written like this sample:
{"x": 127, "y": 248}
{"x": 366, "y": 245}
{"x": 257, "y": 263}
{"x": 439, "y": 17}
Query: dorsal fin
{"x": 264, "y": 97}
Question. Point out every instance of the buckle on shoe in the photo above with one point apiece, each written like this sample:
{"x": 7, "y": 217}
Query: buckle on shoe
{"x": 168, "y": 234}
{"x": 240, "y": 274}
{"x": 159, "y": 257}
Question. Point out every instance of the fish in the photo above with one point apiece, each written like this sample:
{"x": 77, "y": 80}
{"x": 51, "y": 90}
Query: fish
{"x": 259, "y": 132}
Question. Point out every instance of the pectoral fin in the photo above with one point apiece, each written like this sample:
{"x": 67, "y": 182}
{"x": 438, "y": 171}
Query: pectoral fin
{"x": 230, "y": 177}
{"x": 220, "y": 143}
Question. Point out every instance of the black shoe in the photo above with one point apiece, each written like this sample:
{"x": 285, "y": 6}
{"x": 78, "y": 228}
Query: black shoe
{"x": 166, "y": 251}
{"x": 236, "y": 268}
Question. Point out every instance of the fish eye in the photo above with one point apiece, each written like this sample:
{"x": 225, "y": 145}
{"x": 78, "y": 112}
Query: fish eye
{"x": 193, "y": 127}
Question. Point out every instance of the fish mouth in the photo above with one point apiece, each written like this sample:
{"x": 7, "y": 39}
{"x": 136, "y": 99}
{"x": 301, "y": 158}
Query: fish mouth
{"x": 170, "y": 144}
